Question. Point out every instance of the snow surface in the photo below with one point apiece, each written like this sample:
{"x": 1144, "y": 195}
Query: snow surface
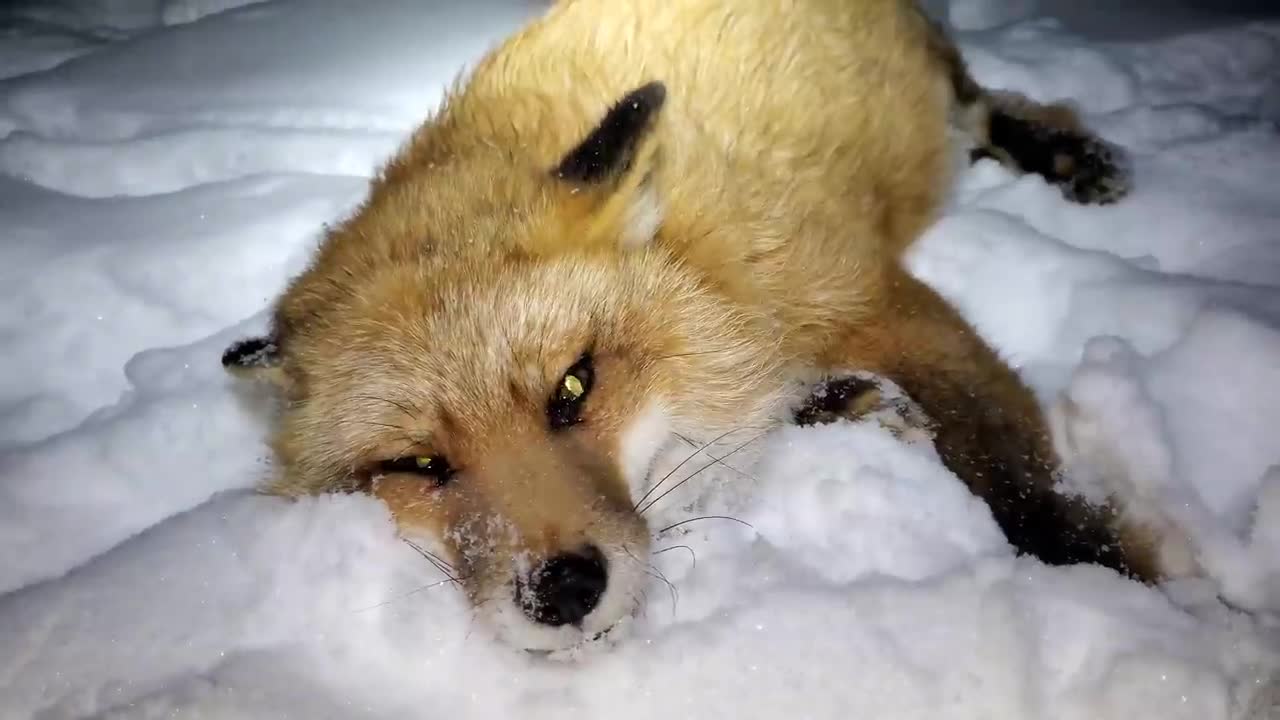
{"x": 166, "y": 166}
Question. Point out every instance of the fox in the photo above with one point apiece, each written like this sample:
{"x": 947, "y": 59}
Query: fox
{"x": 634, "y": 220}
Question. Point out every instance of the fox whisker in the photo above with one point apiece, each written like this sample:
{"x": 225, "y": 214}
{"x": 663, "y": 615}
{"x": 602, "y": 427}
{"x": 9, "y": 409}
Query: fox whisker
{"x": 695, "y": 473}
{"x": 691, "y": 456}
{"x": 704, "y": 517}
{"x": 405, "y": 409}
{"x": 652, "y": 571}
{"x": 692, "y": 554}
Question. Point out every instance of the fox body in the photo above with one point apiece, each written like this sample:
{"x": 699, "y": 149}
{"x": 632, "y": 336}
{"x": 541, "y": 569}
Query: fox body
{"x": 637, "y": 218}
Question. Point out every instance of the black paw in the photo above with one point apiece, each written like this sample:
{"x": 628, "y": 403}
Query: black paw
{"x": 1086, "y": 168}
{"x": 836, "y": 398}
{"x": 1089, "y": 170}
{"x": 860, "y": 397}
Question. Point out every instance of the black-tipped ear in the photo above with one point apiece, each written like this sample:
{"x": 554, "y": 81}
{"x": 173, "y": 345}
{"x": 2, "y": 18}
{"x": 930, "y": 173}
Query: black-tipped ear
{"x": 610, "y": 148}
{"x": 255, "y": 357}
{"x": 254, "y": 352}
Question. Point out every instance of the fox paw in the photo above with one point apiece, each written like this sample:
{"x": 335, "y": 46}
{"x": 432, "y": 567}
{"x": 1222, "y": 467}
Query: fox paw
{"x": 861, "y": 397}
{"x": 1050, "y": 141}
{"x": 1088, "y": 170}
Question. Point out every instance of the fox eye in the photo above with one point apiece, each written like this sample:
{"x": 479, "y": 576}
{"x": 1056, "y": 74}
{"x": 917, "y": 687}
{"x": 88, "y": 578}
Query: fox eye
{"x": 429, "y": 467}
{"x": 565, "y": 407}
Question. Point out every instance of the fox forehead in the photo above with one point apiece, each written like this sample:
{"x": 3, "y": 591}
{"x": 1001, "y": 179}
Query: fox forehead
{"x": 488, "y": 318}
{"x": 456, "y": 326}
{"x": 470, "y": 344}
{"x": 460, "y": 351}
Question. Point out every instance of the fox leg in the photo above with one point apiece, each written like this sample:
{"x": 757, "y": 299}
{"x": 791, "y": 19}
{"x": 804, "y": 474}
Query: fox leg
{"x": 988, "y": 429}
{"x": 1029, "y": 137}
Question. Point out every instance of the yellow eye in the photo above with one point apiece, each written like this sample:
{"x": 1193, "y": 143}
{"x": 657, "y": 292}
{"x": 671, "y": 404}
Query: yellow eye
{"x": 433, "y": 467}
{"x": 564, "y": 408}
{"x": 572, "y": 388}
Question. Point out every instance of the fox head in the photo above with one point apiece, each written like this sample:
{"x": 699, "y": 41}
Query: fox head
{"x": 498, "y": 350}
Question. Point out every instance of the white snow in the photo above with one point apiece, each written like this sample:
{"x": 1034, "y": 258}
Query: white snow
{"x": 166, "y": 166}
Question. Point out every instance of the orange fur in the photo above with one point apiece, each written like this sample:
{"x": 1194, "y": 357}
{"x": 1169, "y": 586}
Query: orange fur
{"x": 753, "y": 237}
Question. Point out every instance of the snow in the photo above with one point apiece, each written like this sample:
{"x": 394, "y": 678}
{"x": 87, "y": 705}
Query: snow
{"x": 166, "y": 166}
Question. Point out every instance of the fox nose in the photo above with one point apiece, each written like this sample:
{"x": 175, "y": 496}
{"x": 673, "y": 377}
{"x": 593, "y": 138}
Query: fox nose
{"x": 566, "y": 588}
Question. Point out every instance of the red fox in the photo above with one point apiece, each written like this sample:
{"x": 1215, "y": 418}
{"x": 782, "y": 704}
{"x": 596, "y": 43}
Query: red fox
{"x": 638, "y": 218}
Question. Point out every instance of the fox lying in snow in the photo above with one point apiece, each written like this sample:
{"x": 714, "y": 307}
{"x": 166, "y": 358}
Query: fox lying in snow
{"x": 638, "y": 218}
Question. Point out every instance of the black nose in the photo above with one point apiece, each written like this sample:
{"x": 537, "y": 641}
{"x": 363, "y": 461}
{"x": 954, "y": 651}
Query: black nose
{"x": 565, "y": 589}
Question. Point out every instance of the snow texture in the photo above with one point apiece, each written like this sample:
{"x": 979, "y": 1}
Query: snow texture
{"x": 165, "y": 166}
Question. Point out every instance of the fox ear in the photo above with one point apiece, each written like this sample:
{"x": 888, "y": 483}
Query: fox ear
{"x": 610, "y": 150}
{"x": 255, "y": 358}
{"x": 615, "y": 165}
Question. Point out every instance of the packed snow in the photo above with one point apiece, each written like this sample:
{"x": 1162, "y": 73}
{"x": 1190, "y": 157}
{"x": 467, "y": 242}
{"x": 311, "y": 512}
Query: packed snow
{"x": 165, "y": 167}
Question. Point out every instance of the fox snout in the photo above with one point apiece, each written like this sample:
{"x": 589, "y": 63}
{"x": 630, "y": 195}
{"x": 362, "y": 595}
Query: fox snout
{"x": 564, "y": 589}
